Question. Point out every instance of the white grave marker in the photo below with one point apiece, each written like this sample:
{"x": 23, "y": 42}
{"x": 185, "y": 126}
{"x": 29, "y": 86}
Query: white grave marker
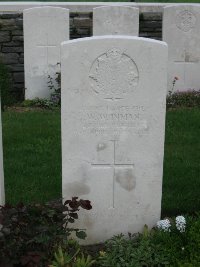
{"x": 44, "y": 30}
{"x": 113, "y": 124}
{"x": 115, "y": 20}
{"x": 2, "y": 193}
{"x": 181, "y": 31}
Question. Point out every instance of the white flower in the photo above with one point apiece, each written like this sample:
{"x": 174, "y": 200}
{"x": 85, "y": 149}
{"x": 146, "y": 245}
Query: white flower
{"x": 180, "y": 223}
{"x": 164, "y": 225}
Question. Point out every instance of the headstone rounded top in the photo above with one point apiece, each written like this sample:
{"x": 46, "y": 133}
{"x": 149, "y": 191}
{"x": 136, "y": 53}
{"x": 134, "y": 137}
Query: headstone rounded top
{"x": 114, "y": 38}
{"x": 116, "y": 6}
{"x": 116, "y": 20}
{"x": 45, "y": 10}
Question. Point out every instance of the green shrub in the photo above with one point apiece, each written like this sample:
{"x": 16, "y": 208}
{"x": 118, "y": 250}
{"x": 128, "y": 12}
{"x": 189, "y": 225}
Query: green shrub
{"x": 135, "y": 251}
{"x": 70, "y": 255}
{"x": 31, "y": 233}
{"x": 193, "y": 245}
{"x": 38, "y": 103}
{"x": 168, "y": 246}
{"x": 190, "y": 98}
{"x": 55, "y": 87}
{"x": 6, "y": 98}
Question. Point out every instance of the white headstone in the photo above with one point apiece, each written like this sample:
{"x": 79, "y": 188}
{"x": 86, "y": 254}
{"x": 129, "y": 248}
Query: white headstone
{"x": 44, "y": 30}
{"x": 181, "y": 31}
{"x": 115, "y": 20}
{"x": 2, "y": 192}
{"x": 113, "y": 124}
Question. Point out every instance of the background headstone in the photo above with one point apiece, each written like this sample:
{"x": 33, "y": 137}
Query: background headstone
{"x": 44, "y": 30}
{"x": 113, "y": 124}
{"x": 115, "y": 20}
{"x": 2, "y": 192}
{"x": 181, "y": 31}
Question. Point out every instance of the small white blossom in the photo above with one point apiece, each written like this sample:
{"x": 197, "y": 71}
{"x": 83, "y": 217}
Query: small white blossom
{"x": 180, "y": 223}
{"x": 164, "y": 225}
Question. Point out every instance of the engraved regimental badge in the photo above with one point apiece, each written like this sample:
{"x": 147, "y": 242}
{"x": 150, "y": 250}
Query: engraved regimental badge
{"x": 186, "y": 20}
{"x": 114, "y": 75}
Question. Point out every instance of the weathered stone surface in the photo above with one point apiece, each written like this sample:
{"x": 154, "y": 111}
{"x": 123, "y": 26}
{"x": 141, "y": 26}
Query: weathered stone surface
{"x": 115, "y": 20}
{"x": 44, "y": 29}
{"x": 82, "y": 22}
{"x": 18, "y": 86}
{"x": 83, "y": 32}
{"x": 181, "y": 31}
{"x": 16, "y": 68}
{"x": 2, "y": 192}
{"x": 151, "y": 24}
{"x": 18, "y": 38}
{"x": 12, "y": 44}
{"x": 113, "y": 120}
{"x": 11, "y": 58}
{"x": 9, "y": 15}
{"x": 152, "y": 16}
{"x": 17, "y": 32}
{"x": 21, "y": 60}
{"x": 19, "y": 22}
{"x": 12, "y": 49}
{"x": 4, "y": 36}
{"x": 7, "y": 22}
{"x": 18, "y": 77}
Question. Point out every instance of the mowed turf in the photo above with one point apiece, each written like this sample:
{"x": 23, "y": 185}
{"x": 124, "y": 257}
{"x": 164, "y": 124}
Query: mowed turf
{"x": 32, "y": 158}
{"x": 181, "y": 182}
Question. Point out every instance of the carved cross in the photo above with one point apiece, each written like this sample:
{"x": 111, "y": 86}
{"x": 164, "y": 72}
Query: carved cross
{"x": 47, "y": 47}
{"x": 113, "y": 165}
{"x": 185, "y": 62}
{"x": 186, "y": 59}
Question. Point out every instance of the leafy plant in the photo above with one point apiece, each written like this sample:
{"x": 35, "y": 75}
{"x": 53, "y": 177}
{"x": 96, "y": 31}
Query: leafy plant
{"x": 189, "y": 98}
{"x": 62, "y": 258}
{"x": 38, "y": 102}
{"x": 54, "y": 85}
{"x": 136, "y": 251}
{"x": 70, "y": 255}
{"x": 33, "y": 231}
{"x": 174, "y": 243}
{"x": 83, "y": 261}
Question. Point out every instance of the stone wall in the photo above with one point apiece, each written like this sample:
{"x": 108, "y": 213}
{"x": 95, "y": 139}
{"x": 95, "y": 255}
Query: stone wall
{"x": 11, "y": 39}
{"x": 12, "y": 50}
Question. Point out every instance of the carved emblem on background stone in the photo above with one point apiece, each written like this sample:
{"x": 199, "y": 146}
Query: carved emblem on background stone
{"x": 114, "y": 75}
{"x": 186, "y": 20}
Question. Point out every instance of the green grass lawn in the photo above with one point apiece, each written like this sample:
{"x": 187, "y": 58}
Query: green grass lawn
{"x": 32, "y": 158}
{"x": 181, "y": 182}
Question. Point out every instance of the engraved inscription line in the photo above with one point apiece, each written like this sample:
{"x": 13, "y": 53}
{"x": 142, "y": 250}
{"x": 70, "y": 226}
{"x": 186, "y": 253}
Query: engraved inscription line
{"x": 113, "y": 165}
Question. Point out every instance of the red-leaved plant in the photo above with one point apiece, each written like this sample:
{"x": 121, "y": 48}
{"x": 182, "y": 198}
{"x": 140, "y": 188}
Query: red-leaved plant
{"x": 29, "y": 233}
